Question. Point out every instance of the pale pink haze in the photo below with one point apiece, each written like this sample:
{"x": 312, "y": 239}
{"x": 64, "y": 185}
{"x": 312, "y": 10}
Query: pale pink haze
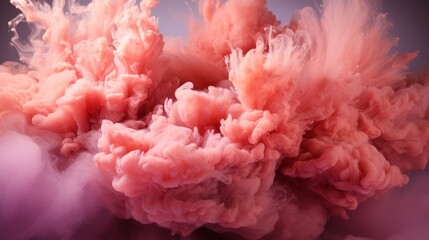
{"x": 249, "y": 126}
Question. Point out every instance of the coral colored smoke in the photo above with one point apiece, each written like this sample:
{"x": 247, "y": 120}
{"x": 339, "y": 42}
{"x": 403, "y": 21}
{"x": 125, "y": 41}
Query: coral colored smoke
{"x": 250, "y": 128}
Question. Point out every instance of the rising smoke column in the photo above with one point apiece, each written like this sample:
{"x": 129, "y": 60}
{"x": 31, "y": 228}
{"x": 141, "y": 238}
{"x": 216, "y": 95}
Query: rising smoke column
{"x": 250, "y": 128}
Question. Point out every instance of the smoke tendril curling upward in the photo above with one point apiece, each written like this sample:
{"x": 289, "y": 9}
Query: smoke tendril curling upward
{"x": 250, "y": 127}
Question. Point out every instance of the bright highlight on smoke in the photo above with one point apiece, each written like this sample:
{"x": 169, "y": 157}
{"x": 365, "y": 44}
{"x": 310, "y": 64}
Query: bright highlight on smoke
{"x": 249, "y": 129}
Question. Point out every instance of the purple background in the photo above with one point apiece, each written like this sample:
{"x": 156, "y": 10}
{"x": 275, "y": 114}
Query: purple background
{"x": 410, "y": 18}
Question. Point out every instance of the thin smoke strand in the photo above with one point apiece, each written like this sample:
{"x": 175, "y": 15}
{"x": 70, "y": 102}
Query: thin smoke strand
{"x": 248, "y": 129}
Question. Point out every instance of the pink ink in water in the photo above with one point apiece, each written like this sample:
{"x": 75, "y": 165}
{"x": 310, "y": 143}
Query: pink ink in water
{"x": 248, "y": 129}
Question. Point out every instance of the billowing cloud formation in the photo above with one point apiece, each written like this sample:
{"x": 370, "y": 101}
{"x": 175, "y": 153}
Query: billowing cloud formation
{"x": 250, "y": 128}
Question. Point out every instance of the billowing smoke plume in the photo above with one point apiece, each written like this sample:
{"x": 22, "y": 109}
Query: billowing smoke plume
{"x": 248, "y": 129}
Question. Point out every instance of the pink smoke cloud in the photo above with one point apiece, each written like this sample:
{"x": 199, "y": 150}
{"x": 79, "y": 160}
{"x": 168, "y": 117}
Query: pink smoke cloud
{"x": 249, "y": 129}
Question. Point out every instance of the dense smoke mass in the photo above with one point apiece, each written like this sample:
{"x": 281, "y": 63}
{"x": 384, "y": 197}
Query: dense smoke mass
{"x": 249, "y": 128}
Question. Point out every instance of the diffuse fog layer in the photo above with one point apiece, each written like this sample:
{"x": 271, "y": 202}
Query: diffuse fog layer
{"x": 249, "y": 126}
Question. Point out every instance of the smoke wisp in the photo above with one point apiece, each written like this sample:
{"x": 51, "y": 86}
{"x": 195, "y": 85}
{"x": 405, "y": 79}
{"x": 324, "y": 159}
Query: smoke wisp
{"x": 250, "y": 128}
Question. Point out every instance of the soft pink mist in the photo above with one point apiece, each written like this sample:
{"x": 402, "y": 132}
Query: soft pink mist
{"x": 249, "y": 128}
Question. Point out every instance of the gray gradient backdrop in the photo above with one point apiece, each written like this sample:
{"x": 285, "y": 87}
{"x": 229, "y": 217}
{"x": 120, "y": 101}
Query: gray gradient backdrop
{"x": 410, "y": 18}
